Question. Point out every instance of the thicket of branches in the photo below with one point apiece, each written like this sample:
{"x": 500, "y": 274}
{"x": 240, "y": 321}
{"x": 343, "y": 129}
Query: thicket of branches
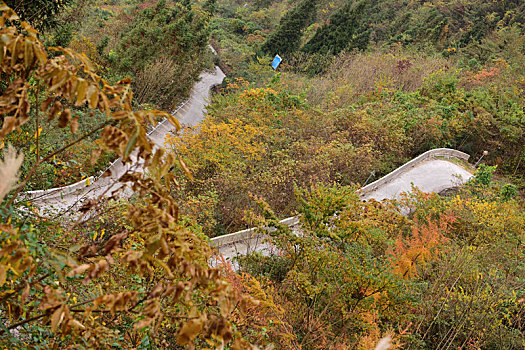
{"x": 144, "y": 282}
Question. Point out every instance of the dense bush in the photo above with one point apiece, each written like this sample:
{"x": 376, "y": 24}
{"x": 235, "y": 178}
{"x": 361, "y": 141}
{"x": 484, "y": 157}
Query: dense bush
{"x": 169, "y": 32}
{"x": 347, "y": 29}
{"x": 287, "y": 37}
{"x": 262, "y": 142}
{"x": 370, "y": 112}
{"x": 42, "y": 14}
{"x": 358, "y": 272}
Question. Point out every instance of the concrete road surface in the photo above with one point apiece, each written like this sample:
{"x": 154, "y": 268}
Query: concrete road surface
{"x": 433, "y": 175}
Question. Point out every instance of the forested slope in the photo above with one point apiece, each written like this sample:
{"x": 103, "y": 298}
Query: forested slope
{"x": 364, "y": 86}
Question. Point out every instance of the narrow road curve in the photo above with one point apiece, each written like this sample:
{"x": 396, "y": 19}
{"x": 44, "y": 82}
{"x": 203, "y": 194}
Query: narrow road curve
{"x": 430, "y": 172}
{"x": 192, "y": 112}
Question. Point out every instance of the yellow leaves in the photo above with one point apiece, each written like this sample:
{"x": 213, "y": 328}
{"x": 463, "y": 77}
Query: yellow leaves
{"x": 178, "y": 258}
{"x": 76, "y": 324}
{"x": 59, "y": 79}
{"x": 93, "y": 98}
{"x": 173, "y": 121}
{"x": 38, "y": 132}
{"x": 224, "y": 144}
{"x": 486, "y": 221}
{"x": 28, "y": 54}
{"x": 259, "y": 93}
{"x": 82, "y": 86}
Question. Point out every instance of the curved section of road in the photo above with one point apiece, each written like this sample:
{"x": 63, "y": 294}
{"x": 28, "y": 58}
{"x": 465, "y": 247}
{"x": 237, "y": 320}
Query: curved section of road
{"x": 69, "y": 197}
{"x": 432, "y": 171}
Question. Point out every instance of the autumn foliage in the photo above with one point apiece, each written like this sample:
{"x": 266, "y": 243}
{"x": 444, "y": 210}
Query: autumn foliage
{"x": 358, "y": 272}
{"x": 130, "y": 284}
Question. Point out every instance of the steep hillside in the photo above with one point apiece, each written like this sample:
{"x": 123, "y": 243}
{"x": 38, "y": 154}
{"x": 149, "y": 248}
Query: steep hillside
{"x": 364, "y": 86}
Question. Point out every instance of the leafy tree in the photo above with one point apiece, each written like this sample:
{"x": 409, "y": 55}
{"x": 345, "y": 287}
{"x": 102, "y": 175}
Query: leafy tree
{"x": 171, "y": 31}
{"x": 287, "y": 37}
{"x": 149, "y": 275}
{"x": 210, "y": 6}
{"x": 347, "y": 29}
{"x": 358, "y": 270}
{"x": 42, "y": 14}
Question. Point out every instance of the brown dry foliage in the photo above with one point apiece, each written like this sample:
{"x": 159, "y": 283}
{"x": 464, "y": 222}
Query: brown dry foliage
{"x": 356, "y": 74}
{"x": 183, "y": 296}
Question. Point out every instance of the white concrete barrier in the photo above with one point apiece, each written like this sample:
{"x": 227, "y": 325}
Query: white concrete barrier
{"x": 247, "y": 234}
{"x": 58, "y": 191}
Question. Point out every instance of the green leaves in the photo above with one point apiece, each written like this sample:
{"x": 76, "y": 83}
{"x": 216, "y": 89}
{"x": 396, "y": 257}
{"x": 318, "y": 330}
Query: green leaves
{"x": 131, "y": 144}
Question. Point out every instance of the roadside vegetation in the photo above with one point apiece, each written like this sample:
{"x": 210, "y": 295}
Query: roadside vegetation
{"x": 129, "y": 275}
{"x": 364, "y": 87}
{"x": 162, "y": 46}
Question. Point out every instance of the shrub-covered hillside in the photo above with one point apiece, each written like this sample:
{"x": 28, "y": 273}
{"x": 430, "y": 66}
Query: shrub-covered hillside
{"x": 326, "y": 28}
{"x": 364, "y": 86}
{"x": 162, "y": 46}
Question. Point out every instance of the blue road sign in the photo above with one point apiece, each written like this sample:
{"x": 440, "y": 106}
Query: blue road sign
{"x": 276, "y": 61}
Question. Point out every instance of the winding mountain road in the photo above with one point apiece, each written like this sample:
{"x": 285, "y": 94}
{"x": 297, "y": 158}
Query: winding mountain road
{"x": 433, "y": 171}
{"x": 68, "y": 198}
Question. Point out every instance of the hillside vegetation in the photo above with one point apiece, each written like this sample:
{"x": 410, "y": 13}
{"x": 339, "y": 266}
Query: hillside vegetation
{"x": 161, "y": 46}
{"x": 364, "y": 86}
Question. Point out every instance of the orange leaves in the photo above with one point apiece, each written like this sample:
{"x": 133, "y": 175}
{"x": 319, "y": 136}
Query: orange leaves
{"x": 486, "y": 74}
{"x": 421, "y": 246}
